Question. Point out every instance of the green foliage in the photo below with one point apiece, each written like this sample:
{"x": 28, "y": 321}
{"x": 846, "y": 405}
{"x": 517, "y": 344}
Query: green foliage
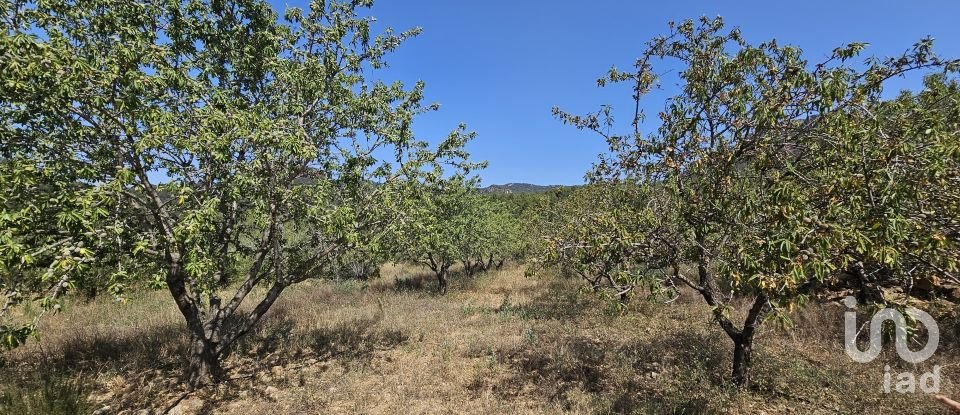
{"x": 358, "y": 264}
{"x": 770, "y": 173}
{"x": 890, "y": 197}
{"x": 597, "y": 232}
{"x": 452, "y": 222}
{"x": 439, "y": 226}
{"x": 223, "y": 141}
{"x": 495, "y": 234}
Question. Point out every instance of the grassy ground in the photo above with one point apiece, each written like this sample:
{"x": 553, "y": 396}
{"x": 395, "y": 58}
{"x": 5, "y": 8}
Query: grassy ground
{"x": 498, "y": 343}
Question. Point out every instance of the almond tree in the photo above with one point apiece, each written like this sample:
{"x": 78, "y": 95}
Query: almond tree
{"x": 739, "y": 159}
{"x": 493, "y": 236}
{"x": 439, "y": 228}
{"x": 594, "y": 232}
{"x": 888, "y": 187}
{"x": 240, "y": 145}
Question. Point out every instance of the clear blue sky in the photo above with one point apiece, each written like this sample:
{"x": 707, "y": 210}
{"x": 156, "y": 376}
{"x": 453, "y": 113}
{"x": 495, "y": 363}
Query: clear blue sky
{"x": 501, "y": 65}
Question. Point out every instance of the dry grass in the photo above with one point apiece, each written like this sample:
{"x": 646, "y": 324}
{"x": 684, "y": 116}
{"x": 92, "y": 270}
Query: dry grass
{"x": 498, "y": 343}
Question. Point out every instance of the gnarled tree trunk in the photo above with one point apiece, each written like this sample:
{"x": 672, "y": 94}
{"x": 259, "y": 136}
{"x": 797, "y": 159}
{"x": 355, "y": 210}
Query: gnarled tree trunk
{"x": 743, "y": 343}
{"x": 469, "y": 267}
{"x": 742, "y": 338}
{"x": 203, "y": 363}
{"x": 442, "y": 280}
{"x": 211, "y": 333}
{"x": 440, "y": 266}
{"x": 742, "y": 353}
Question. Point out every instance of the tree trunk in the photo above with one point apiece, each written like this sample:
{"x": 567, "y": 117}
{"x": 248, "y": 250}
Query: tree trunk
{"x": 742, "y": 352}
{"x": 90, "y": 293}
{"x": 743, "y": 338}
{"x": 743, "y": 342}
{"x": 204, "y": 363}
{"x": 442, "y": 281}
{"x": 210, "y": 340}
{"x": 868, "y": 290}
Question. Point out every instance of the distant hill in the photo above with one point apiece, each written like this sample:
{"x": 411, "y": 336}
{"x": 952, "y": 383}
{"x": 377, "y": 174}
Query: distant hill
{"x": 516, "y": 188}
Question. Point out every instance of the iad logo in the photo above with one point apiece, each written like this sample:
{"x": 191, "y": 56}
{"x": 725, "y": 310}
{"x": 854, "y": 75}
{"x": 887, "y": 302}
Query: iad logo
{"x": 906, "y": 382}
{"x": 876, "y": 338}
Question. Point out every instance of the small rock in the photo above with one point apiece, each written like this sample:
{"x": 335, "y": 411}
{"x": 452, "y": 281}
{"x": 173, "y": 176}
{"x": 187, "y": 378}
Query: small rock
{"x": 102, "y": 411}
{"x": 189, "y": 406}
{"x": 272, "y": 393}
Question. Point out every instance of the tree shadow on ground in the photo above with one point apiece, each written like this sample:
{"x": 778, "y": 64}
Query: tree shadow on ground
{"x": 675, "y": 373}
{"x": 162, "y": 351}
{"x": 551, "y": 369}
{"x": 354, "y": 339}
{"x": 415, "y": 282}
{"x": 149, "y": 363}
{"x": 950, "y": 339}
{"x": 558, "y": 302}
{"x": 46, "y": 393}
{"x": 160, "y": 347}
{"x": 426, "y": 282}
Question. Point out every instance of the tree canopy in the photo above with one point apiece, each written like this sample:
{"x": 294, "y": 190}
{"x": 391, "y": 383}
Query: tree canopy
{"x": 774, "y": 173}
{"x": 235, "y": 142}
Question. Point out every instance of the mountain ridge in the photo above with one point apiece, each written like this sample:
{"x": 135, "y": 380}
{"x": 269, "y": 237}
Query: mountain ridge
{"x": 518, "y": 188}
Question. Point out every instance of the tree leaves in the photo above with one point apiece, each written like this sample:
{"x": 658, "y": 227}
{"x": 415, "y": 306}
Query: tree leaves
{"x": 205, "y": 141}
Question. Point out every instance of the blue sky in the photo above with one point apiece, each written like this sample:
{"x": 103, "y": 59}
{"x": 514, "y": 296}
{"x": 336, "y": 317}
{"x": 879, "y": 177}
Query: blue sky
{"x": 501, "y": 65}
